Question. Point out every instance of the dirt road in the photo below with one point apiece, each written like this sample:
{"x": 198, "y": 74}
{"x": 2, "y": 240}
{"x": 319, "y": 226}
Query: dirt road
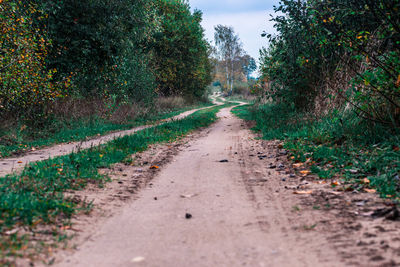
{"x": 226, "y": 199}
{"x": 12, "y": 164}
{"x": 237, "y": 217}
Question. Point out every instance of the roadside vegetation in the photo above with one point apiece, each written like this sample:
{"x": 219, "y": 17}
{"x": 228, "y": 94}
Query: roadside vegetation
{"x": 330, "y": 89}
{"x": 20, "y": 139}
{"x": 99, "y": 63}
{"x": 35, "y": 198}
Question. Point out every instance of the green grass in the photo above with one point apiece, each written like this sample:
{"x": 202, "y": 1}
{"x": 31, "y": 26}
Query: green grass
{"x": 65, "y": 131}
{"x": 343, "y": 147}
{"x": 36, "y": 196}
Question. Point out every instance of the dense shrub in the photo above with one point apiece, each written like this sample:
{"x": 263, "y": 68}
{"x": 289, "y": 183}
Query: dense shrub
{"x": 121, "y": 52}
{"x": 330, "y": 50}
{"x": 26, "y": 87}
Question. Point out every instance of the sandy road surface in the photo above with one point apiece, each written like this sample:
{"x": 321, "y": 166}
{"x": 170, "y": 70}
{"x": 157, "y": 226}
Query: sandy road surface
{"x": 9, "y": 165}
{"x": 240, "y": 216}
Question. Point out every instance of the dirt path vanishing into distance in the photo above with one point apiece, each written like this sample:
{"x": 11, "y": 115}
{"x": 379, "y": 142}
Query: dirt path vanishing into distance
{"x": 221, "y": 197}
{"x": 12, "y": 164}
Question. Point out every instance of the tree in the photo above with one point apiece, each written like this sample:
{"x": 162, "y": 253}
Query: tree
{"x": 103, "y": 44}
{"x": 181, "y": 53}
{"x": 249, "y": 65}
{"x": 229, "y": 50}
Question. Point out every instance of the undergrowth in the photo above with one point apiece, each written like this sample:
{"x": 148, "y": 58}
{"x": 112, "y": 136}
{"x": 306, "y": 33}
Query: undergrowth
{"x": 340, "y": 146}
{"x": 35, "y": 197}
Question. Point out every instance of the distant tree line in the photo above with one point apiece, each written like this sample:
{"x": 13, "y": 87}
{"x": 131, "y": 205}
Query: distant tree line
{"x": 122, "y": 50}
{"x": 233, "y": 66}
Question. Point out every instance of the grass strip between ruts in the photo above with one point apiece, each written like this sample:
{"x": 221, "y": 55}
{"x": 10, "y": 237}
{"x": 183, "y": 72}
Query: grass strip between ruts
{"x": 35, "y": 196}
{"x": 63, "y": 132}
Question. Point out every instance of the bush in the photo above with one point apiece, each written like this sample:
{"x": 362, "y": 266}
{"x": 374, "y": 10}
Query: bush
{"x": 26, "y": 88}
{"x": 345, "y": 49}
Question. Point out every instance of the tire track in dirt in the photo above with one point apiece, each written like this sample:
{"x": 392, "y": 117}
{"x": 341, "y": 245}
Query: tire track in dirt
{"x": 244, "y": 210}
{"x": 239, "y": 218}
{"x": 15, "y": 164}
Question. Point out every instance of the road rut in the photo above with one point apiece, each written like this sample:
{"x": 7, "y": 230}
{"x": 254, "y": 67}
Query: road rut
{"x": 216, "y": 204}
{"x": 14, "y": 164}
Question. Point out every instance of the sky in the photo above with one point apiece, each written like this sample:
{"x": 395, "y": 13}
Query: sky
{"x": 249, "y": 19}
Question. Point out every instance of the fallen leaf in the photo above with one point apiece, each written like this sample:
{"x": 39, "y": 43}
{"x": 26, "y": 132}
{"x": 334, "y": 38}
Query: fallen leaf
{"x": 366, "y": 181}
{"x": 11, "y": 232}
{"x": 303, "y": 192}
{"x": 305, "y": 172}
{"x": 398, "y": 81}
{"x": 298, "y": 165}
{"x": 36, "y": 222}
{"x": 154, "y": 167}
{"x": 372, "y": 191}
{"x": 138, "y": 259}
{"x": 66, "y": 227}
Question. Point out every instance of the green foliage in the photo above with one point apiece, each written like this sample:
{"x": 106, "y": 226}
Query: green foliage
{"x": 342, "y": 146}
{"x": 180, "y": 50}
{"x": 101, "y": 43}
{"x": 117, "y": 51}
{"x": 321, "y": 41}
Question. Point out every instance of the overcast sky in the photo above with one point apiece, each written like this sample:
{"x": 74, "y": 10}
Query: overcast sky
{"x": 249, "y": 18}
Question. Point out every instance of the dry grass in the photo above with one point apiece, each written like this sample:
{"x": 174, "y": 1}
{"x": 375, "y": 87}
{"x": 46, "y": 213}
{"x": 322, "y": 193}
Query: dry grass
{"x": 168, "y": 103}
